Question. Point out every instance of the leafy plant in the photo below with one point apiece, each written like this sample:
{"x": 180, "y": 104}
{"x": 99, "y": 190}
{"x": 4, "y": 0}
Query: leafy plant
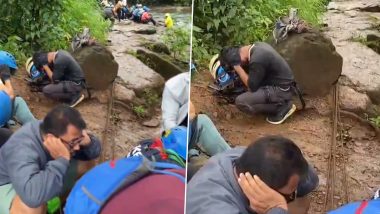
{"x": 178, "y": 41}
{"x": 140, "y": 111}
{"x": 376, "y": 121}
{"x": 151, "y": 98}
{"x": 219, "y": 23}
{"x": 47, "y": 24}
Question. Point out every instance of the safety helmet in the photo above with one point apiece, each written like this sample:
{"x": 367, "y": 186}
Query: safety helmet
{"x": 218, "y": 72}
{"x": 138, "y": 5}
{"x": 31, "y": 69}
{"x": 167, "y": 14}
{"x": 214, "y": 65}
{"x": 6, "y": 108}
{"x": 8, "y": 59}
{"x": 176, "y": 140}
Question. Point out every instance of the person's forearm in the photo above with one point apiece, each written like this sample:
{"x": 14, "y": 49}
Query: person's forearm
{"x": 9, "y": 89}
{"x": 48, "y": 72}
{"x": 243, "y": 76}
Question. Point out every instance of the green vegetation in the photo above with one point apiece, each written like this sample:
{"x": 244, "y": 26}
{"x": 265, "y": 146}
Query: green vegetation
{"x": 178, "y": 41}
{"x": 376, "y": 121}
{"x": 49, "y": 25}
{"x": 151, "y": 98}
{"x": 218, "y": 23}
{"x": 140, "y": 111}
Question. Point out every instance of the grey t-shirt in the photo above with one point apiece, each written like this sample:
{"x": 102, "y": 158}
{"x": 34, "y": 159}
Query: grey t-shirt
{"x": 66, "y": 68}
{"x": 267, "y": 67}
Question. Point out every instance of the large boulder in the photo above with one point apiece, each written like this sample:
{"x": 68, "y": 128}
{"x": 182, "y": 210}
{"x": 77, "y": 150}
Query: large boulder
{"x": 161, "y": 63}
{"x": 315, "y": 63}
{"x": 98, "y": 64}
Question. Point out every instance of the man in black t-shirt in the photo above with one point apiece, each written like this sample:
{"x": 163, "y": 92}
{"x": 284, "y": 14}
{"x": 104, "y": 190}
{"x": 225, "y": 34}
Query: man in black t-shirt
{"x": 65, "y": 74}
{"x": 268, "y": 78}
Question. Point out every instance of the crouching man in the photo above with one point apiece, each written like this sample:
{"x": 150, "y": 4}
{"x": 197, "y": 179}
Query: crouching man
{"x": 40, "y": 160}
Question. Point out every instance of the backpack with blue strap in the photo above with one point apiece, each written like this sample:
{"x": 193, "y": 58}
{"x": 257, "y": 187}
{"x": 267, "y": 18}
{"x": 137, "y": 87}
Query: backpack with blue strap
{"x": 363, "y": 207}
{"x": 92, "y": 192}
{"x": 171, "y": 147}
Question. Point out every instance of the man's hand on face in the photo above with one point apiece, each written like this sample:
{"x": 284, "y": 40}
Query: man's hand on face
{"x": 86, "y": 139}
{"x": 56, "y": 148}
{"x": 261, "y": 197}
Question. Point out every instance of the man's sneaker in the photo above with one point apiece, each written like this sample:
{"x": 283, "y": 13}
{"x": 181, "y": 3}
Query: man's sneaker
{"x": 282, "y": 115}
{"x": 76, "y": 100}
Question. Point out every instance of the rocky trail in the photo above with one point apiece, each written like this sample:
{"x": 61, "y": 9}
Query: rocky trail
{"x": 134, "y": 111}
{"x": 357, "y": 166}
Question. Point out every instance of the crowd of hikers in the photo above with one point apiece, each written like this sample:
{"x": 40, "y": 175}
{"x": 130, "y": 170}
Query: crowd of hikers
{"x": 120, "y": 10}
{"x": 47, "y": 165}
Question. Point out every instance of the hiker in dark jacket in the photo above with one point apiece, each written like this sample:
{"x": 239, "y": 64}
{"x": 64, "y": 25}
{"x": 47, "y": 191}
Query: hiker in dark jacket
{"x": 66, "y": 76}
{"x": 41, "y": 157}
{"x": 267, "y": 76}
{"x": 276, "y": 160}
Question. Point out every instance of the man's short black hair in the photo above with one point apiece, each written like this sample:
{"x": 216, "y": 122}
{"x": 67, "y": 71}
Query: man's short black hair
{"x": 40, "y": 59}
{"x": 230, "y": 56}
{"x": 58, "y": 119}
{"x": 274, "y": 159}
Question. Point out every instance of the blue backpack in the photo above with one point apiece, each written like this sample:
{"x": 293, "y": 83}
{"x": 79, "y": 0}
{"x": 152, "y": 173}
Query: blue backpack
{"x": 92, "y": 192}
{"x": 364, "y": 207}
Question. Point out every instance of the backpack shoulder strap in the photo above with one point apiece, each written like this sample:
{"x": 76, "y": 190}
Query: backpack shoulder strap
{"x": 165, "y": 172}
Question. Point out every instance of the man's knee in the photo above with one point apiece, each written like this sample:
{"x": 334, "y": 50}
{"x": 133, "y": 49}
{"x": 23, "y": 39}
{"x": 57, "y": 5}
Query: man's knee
{"x": 48, "y": 91}
{"x": 18, "y": 206}
{"x": 203, "y": 120}
{"x": 243, "y": 105}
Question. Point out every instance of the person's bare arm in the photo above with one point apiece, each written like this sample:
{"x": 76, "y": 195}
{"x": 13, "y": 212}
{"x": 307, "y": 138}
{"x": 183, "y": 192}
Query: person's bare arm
{"x": 192, "y": 111}
{"x": 49, "y": 72}
{"x": 7, "y": 87}
{"x": 242, "y": 74}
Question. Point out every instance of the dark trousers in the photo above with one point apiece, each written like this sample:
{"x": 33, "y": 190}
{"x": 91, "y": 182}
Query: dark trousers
{"x": 5, "y": 134}
{"x": 64, "y": 91}
{"x": 266, "y": 100}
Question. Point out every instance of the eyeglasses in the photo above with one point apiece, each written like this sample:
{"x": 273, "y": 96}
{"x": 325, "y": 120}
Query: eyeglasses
{"x": 289, "y": 197}
{"x": 73, "y": 143}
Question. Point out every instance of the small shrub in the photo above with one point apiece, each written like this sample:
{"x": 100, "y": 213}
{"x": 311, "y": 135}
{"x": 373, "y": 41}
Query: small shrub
{"x": 140, "y": 111}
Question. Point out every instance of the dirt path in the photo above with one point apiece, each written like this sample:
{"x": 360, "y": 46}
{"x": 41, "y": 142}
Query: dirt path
{"x": 127, "y": 128}
{"x": 312, "y": 132}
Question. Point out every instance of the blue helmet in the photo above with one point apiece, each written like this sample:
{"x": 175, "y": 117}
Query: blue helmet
{"x": 176, "y": 139}
{"x": 6, "y": 108}
{"x": 8, "y": 59}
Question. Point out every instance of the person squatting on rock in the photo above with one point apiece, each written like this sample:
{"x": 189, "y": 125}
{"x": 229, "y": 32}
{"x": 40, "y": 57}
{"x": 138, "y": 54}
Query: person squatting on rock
{"x": 113, "y": 12}
{"x": 66, "y": 76}
{"x": 274, "y": 161}
{"x": 267, "y": 76}
{"x": 141, "y": 14}
{"x": 175, "y": 101}
{"x": 42, "y": 159}
{"x": 11, "y": 106}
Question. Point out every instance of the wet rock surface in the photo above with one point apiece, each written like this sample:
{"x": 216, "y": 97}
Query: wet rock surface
{"x": 361, "y": 64}
{"x": 160, "y": 63}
